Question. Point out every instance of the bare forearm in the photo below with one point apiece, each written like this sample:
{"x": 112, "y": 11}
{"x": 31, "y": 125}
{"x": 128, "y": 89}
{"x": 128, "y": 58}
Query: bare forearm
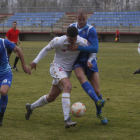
{"x": 42, "y": 53}
{"x": 20, "y": 53}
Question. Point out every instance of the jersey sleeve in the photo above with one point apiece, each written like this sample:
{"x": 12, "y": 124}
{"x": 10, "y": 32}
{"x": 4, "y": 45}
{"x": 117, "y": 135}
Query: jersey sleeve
{"x": 9, "y": 45}
{"x": 54, "y": 44}
{"x": 92, "y": 35}
{"x": 93, "y": 40}
{"x": 92, "y": 56}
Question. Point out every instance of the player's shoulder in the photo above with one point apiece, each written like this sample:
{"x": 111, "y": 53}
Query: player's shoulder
{"x": 81, "y": 40}
{"x": 91, "y": 30}
{"x": 59, "y": 40}
{"x": 9, "y": 30}
{"x": 90, "y": 27}
{"x": 4, "y": 41}
{"x": 17, "y": 30}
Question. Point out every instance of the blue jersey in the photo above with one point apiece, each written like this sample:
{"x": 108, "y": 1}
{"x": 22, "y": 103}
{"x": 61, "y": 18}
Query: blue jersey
{"x": 4, "y": 58}
{"x": 88, "y": 32}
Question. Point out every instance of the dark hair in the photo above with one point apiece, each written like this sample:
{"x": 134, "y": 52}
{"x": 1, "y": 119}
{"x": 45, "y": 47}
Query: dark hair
{"x": 81, "y": 12}
{"x": 14, "y": 22}
{"x": 72, "y": 31}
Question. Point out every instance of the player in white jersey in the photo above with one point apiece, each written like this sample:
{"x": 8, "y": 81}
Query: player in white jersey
{"x": 138, "y": 70}
{"x": 60, "y": 70}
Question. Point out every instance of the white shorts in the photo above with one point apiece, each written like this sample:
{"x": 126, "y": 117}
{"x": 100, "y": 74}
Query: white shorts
{"x": 58, "y": 73}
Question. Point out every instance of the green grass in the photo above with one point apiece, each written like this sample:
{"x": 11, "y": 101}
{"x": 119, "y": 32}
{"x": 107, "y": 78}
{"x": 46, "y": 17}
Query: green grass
{"x": 116, "y": 63}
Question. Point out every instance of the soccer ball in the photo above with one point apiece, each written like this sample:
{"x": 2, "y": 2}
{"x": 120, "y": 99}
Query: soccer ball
{"x": 78, "y": 109}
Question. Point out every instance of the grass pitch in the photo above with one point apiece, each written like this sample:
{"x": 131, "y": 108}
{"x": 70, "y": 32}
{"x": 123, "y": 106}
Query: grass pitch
{"x": 116, "y": 63}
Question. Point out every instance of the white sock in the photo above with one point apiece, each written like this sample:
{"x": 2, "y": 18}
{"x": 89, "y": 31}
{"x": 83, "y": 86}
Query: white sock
{"x": 66, "y": 105}
{"x": 40, "y": 102}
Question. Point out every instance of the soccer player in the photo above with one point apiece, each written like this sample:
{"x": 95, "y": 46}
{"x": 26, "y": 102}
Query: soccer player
{"x": 60, "y": 70}
{"x": 13, "y": 36}
{"x": 117, "y": 35}
{"x": 6, "y": 73}
{"x": 81, "y": 66}
{"x": 138, "y": 70}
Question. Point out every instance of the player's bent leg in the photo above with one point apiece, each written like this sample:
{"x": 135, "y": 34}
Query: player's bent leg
{"x": 3, "y": 101}
{"x": 54, "y": 93}
{"x": 4, "y": 89}
{"x": 79, "y": 71}
{"x": 94, "y": 80}
{"x": 66, "y": 86}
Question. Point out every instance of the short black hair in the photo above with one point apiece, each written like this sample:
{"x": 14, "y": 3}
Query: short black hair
{"x": 14, "y": 22}
{"x": 72, "y": 31}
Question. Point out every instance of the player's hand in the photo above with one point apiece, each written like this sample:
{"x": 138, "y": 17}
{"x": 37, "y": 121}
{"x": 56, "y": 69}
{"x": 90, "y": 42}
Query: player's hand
{"x": 33, "y": 65}
{"x": 73, "y": 47}
{"x": 90, "y": 65}
{"x": 18, "y": 42}
{"x": 26, "y": 69}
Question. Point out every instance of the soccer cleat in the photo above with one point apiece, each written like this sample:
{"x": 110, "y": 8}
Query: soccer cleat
{"x": 29, "y": 111}
{"x": 102, "y": 118}
{"x": 15, "y": 68}
{"x": 69, "y": 123}
{"x": 1, "y": 118}
{"x": 100, "y": 103}
{"x": 137, "y": 71}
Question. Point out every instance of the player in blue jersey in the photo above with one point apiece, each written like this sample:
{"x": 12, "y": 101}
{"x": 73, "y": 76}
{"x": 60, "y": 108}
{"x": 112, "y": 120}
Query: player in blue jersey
{"x": 82, "y": 67}
{"x": 6, "y": 73}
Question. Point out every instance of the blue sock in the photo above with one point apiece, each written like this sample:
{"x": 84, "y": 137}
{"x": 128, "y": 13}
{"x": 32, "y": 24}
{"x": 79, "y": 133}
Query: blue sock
{"x": 3, "y": 105}
{"x": 99, "y": 109}
{"x": 90, "y": 91}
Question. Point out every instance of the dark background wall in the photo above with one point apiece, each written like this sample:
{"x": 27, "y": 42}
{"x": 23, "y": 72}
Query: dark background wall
{"x": 103, "y": 37}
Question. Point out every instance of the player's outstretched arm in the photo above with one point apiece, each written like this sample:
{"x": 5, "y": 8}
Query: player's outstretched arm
{"x": 24, "y": 66}
{"x": 41, "y": 54}
{"x": 93, "y": 48}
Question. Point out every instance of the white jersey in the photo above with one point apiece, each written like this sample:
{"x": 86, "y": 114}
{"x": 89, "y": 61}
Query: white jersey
{"x": 64, "y": 57}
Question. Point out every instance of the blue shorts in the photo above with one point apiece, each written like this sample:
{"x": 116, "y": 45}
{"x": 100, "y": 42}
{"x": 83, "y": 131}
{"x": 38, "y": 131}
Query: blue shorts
{"x": 88, "y": 71}
{"x": 6, "y": 79}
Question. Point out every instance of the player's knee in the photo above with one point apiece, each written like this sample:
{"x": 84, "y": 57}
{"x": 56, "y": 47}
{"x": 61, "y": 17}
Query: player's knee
{"x": 67, "y": 88}
{"x": 3, "y": 92}
{"x": 81, "y": 78}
